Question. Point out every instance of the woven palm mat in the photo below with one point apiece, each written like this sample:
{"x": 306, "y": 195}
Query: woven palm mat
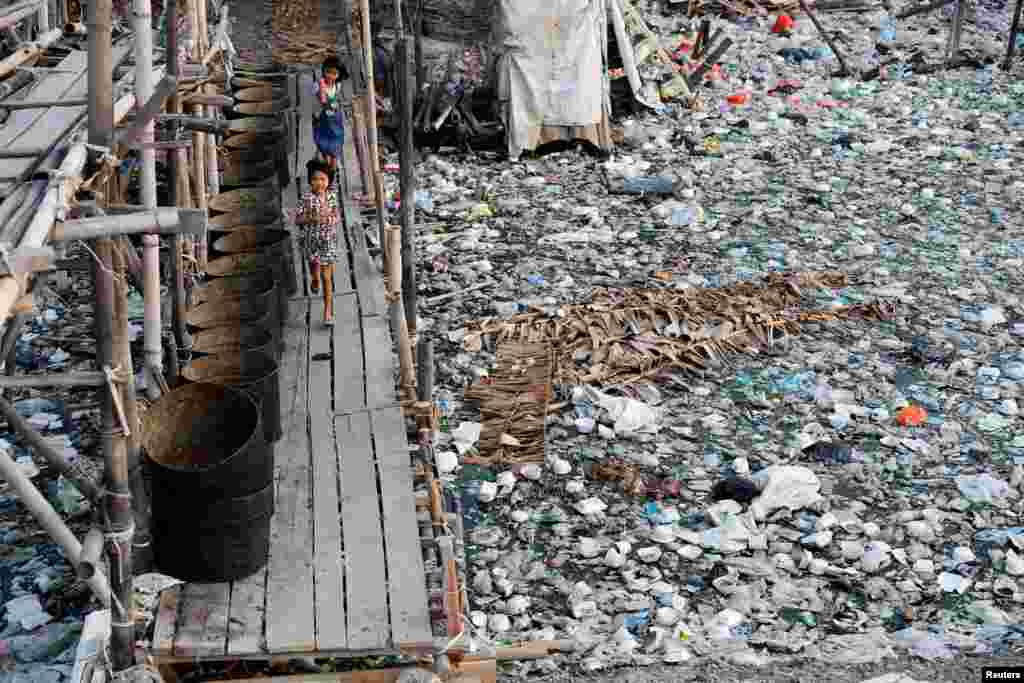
{"x": 628, "y": 335}
{"x": 514, "y": 404}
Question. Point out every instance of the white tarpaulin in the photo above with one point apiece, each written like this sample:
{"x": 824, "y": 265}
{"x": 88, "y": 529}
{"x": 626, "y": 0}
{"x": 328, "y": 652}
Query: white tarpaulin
{"x": 552, "y": 72}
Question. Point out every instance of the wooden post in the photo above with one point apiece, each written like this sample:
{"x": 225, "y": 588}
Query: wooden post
{"x": 1014, "y": 31}
{"x": 424, "y": 370}
{"x": 421, "y": 74}
{"x": 405, "y": 94}
{"x": 373, "y": 162}
{"x": 953, "y": 47}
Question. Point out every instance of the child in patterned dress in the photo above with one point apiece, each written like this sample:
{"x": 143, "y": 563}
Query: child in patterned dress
{"x": 320, "y": 215}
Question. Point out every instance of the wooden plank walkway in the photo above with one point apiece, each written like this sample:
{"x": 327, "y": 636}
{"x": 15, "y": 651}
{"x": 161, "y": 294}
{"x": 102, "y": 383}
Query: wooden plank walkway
{"x": 345, "y": 575}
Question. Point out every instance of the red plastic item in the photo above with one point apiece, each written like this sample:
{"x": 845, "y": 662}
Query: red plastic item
{"x": 911, "y": 416}
{"x": 784, "y": 24}
{"x": 737, "y": 99}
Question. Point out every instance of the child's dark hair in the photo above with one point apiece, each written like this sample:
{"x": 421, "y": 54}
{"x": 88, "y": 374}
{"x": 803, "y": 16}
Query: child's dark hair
{"x": 333, "y": 63}
{"x": 317, "y": 166}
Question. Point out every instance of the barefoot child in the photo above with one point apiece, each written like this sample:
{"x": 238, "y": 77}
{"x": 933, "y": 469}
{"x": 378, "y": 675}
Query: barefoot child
{"x": 320, "y": 215}
{"x": 329, "y": 123}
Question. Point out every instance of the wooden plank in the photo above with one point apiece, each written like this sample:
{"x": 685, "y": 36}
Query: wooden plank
{"x": 329, "y": 580}
{"x": 290, "y": 617}
{"x": 367, "y": 279}
{"x": 50, "y": 86}
{"x": 166, "y": 621}
{"x": 407, "y": 585}
{"x": 365, "y": 589}
{"x": 307, "y": 107}
{"x": 349, "y": 374}
{"x": 203, "y": 624}
{"x": 380, "y": 361}
{"x": 53, "y": 124}
{"x": 245, "y": 616}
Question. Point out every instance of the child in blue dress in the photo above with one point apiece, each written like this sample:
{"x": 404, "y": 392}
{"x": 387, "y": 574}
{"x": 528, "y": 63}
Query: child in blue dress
{"x": 329, "y": 122}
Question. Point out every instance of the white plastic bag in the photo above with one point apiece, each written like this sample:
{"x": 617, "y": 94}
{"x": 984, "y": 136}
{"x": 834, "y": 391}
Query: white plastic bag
{"x": 785, "y": 486}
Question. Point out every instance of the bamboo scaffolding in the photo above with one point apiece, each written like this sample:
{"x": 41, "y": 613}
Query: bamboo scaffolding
{"x": 39, "y": 444}
{"x": 51, "y": 522}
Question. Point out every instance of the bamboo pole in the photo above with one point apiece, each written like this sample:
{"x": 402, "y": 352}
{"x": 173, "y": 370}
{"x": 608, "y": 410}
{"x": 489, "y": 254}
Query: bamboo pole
{"x": 211, "y": 164}
{"x": 12, "y": 332}
{"x": 359, "y": 133}
{"x": 143, "y": 20}
{"x": 407, "y": 378}
{"x": 373, "y": 162}
{"x": 101, "y": 73}
{"x": 198, "y": 137}
{"x": 178, "y": 196}
{"x": 120, "y": 529}
{"x": 115, "y": 448}
{"x": 92, "y": 551}
{"x": 159, "y": 221}
{"x": 38, "y": 444}
{"x": 406, "y": 93}
{"x": 43, "y": 17}
{"x": 48, "y": 381}
{"x": 51, "y": 522}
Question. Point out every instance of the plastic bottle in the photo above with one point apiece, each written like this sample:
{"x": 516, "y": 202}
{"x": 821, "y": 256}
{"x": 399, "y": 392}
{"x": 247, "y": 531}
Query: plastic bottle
{"x": 983, "y": 79}
{"x": 887, "y": 29}
{"x": 446, "y": 410}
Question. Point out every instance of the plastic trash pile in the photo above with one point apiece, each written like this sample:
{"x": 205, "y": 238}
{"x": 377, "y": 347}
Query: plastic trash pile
{"x": 845, "y": 495}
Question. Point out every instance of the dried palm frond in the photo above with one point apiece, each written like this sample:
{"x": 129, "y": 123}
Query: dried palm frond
{"x": 632, "y": 334}
{"x": 513, "y": 404}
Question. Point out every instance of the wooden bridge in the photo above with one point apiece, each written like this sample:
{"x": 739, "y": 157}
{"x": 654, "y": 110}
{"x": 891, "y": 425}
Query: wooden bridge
{"x": 345, "y": 575}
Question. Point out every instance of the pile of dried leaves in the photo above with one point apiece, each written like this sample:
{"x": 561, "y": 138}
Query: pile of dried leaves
{"x": 514, "y": 404}
{"x": 627, "y": 335}
{"x": 297, "y": 34}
